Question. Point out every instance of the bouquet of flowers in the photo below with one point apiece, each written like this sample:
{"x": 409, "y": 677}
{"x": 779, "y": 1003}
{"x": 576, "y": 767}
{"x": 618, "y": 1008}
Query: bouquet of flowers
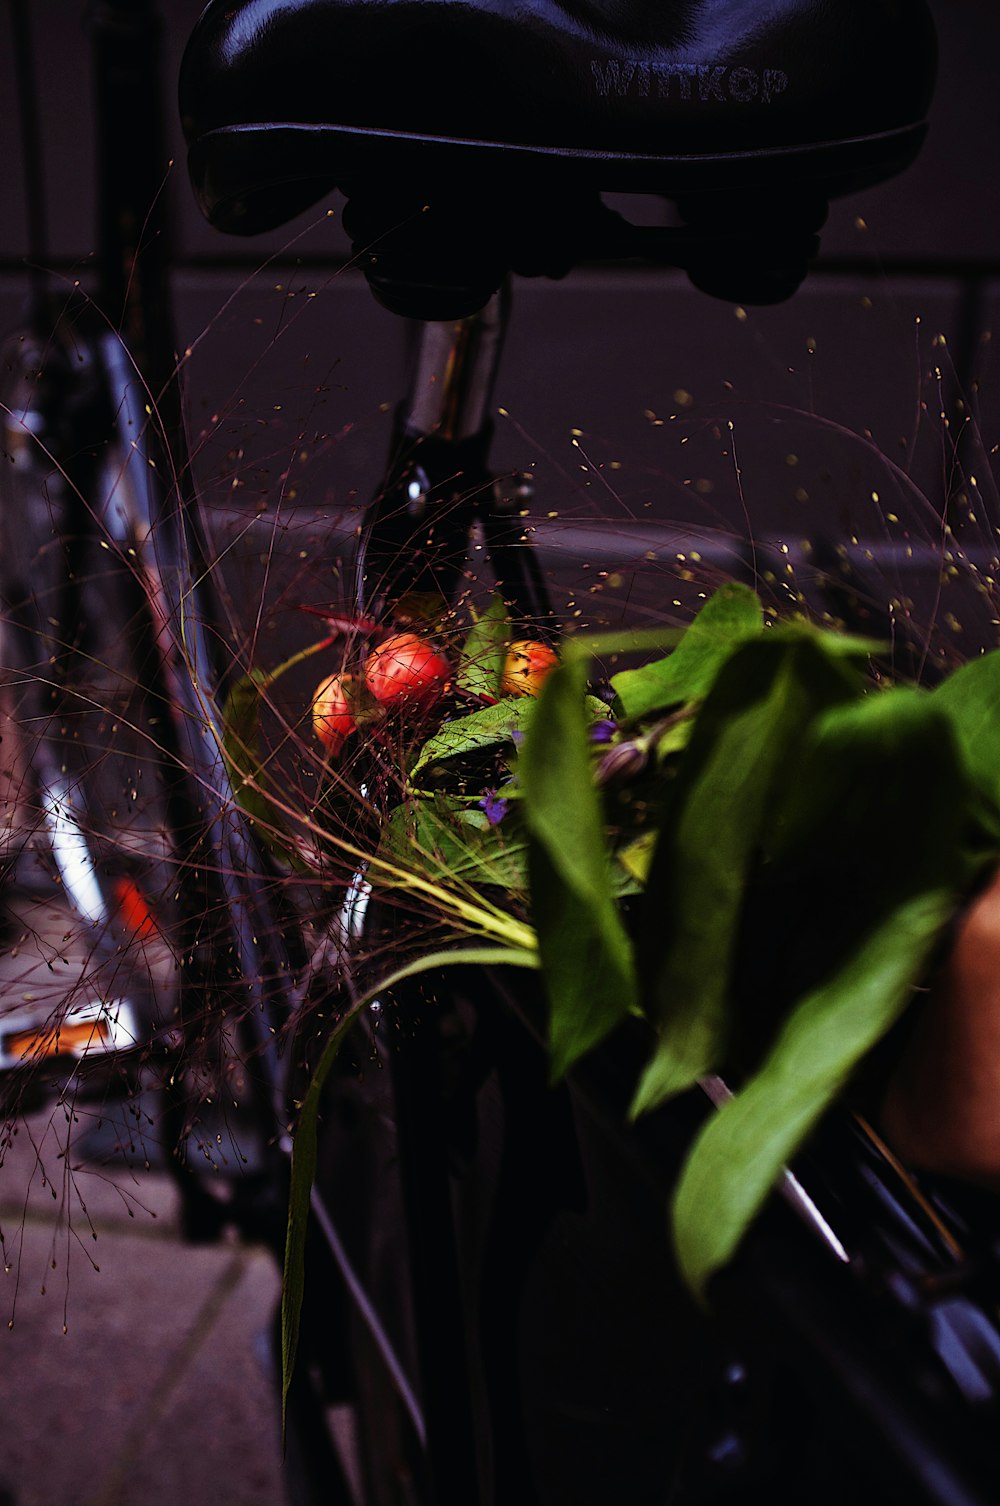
{"x": 755, "y": 841}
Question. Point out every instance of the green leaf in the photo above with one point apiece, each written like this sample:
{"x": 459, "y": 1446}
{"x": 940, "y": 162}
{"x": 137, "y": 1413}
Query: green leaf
{"x": 242, "y": 752}
{"x": 490, "y": 726}
{"x": 245, "y": 766}
{"x": 842, "y": 645}
{"x": 745, "y": 739}
{"x": 676, "y": 738}
{"x": 866, "y": 768}
{"x": 868, "y": 859}
{"x": 637, "y": 856}
{"x": 971, "y": 699}
{"x": 480, "y": 729}
{"x": 728, "y": 619}
{"x": 878, "y": 812}
{"x": 303, "y": 1172}
{"x": 590, "y": 646}
{"x": 586, "y": 954}
{"x": 480, "y": 663}
{"x": 740, "y": 1153}
{"x": 241, "y": 724}
{"x": 438, "y": 838}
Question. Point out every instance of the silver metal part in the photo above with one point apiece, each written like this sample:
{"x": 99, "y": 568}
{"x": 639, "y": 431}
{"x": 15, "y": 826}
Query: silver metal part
{"x": 370, "y": 1317}
{"x": 454, "y": 372}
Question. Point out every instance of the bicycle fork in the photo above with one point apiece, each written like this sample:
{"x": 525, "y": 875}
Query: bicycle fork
{"x": 440, "y": 497}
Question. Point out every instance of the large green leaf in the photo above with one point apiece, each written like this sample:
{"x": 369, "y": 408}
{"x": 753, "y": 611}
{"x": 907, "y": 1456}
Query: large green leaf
{"x": 746, "y": 738}
{"x": 971, "y": 699}
{"x": 741, "y": 1151}
{"x": 867, "y": 860}
{"x": 481, "y": 660}
{"x": 303, "y": 1172}
{"x": 879, "y": 811}
{"x": 728, "y": 619}
{"x": 881, "y": 775}
{"x": 586, "y": 954}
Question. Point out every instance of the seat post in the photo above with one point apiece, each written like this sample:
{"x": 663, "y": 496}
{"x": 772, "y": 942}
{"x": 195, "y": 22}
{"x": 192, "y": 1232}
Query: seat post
{"x": 454, "y": 372}
{"x": 440, "y": 493}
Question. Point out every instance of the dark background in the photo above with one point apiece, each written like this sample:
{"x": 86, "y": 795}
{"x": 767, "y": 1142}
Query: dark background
{"x": 856, "y": 387}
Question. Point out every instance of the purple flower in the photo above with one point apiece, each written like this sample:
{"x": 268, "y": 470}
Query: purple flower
{"x": 602, "y": 732}
{"x": 495, "y": 807}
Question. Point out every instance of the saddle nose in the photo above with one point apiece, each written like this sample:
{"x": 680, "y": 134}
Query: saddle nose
{"x": 283, "y": 100}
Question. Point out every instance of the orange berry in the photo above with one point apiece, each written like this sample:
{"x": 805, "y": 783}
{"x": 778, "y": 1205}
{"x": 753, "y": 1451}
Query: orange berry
{"x": 526, "y": 666}
{"x": 407, "y": 670}
{"x": 332, "y": 715}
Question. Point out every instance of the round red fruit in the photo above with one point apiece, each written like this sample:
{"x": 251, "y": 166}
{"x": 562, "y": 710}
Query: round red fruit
{"x": 332, "y": 716}
{"x": 527, "y": 665}
{"x": 406, "y": 670}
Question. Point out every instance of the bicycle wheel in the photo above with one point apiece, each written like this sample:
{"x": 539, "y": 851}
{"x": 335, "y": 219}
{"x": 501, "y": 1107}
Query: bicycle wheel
{"x": 358, "y": 1393}
{"x": 122, "y": 850}
{"x": 86, "y": 832}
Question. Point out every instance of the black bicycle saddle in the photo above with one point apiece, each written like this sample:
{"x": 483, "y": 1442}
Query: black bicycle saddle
{"x": 508, "y": 101}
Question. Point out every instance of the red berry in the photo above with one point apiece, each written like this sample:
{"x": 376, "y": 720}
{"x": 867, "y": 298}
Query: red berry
{"x": 332, "y": 715}
{"x": 407, "y": 670}
{"x": 526, "y": 666}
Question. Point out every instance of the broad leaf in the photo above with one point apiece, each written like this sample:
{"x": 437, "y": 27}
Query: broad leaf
{"x": 481, "y": 660}
{"x": 883, "y": 775}
{"x": 869, "y": 858}
{"x": 728, "y": 619}
{"x": 880, "y": 811}
{"x": 745, "y": 739}
{"x": 586, "y": 954}
{"x": 971, "y": 699}
{"x": 740, "y": 1153}
{"x": 303, "y": 1172}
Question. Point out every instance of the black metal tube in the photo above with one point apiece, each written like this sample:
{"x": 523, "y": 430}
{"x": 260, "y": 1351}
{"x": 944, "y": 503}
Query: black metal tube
{"x": 31, "y": 147}
{"x": 132, "y": 173}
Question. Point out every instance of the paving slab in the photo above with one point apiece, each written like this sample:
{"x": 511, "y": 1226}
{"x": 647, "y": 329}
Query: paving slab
{"x": 155, "y": 1392}
{"x": 134, "y": 1367}
{"x": 45, "y": 1173}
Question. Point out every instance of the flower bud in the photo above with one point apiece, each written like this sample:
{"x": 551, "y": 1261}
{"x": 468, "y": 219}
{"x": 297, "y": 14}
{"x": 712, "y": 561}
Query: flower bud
{"x": 623, "y": 761}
